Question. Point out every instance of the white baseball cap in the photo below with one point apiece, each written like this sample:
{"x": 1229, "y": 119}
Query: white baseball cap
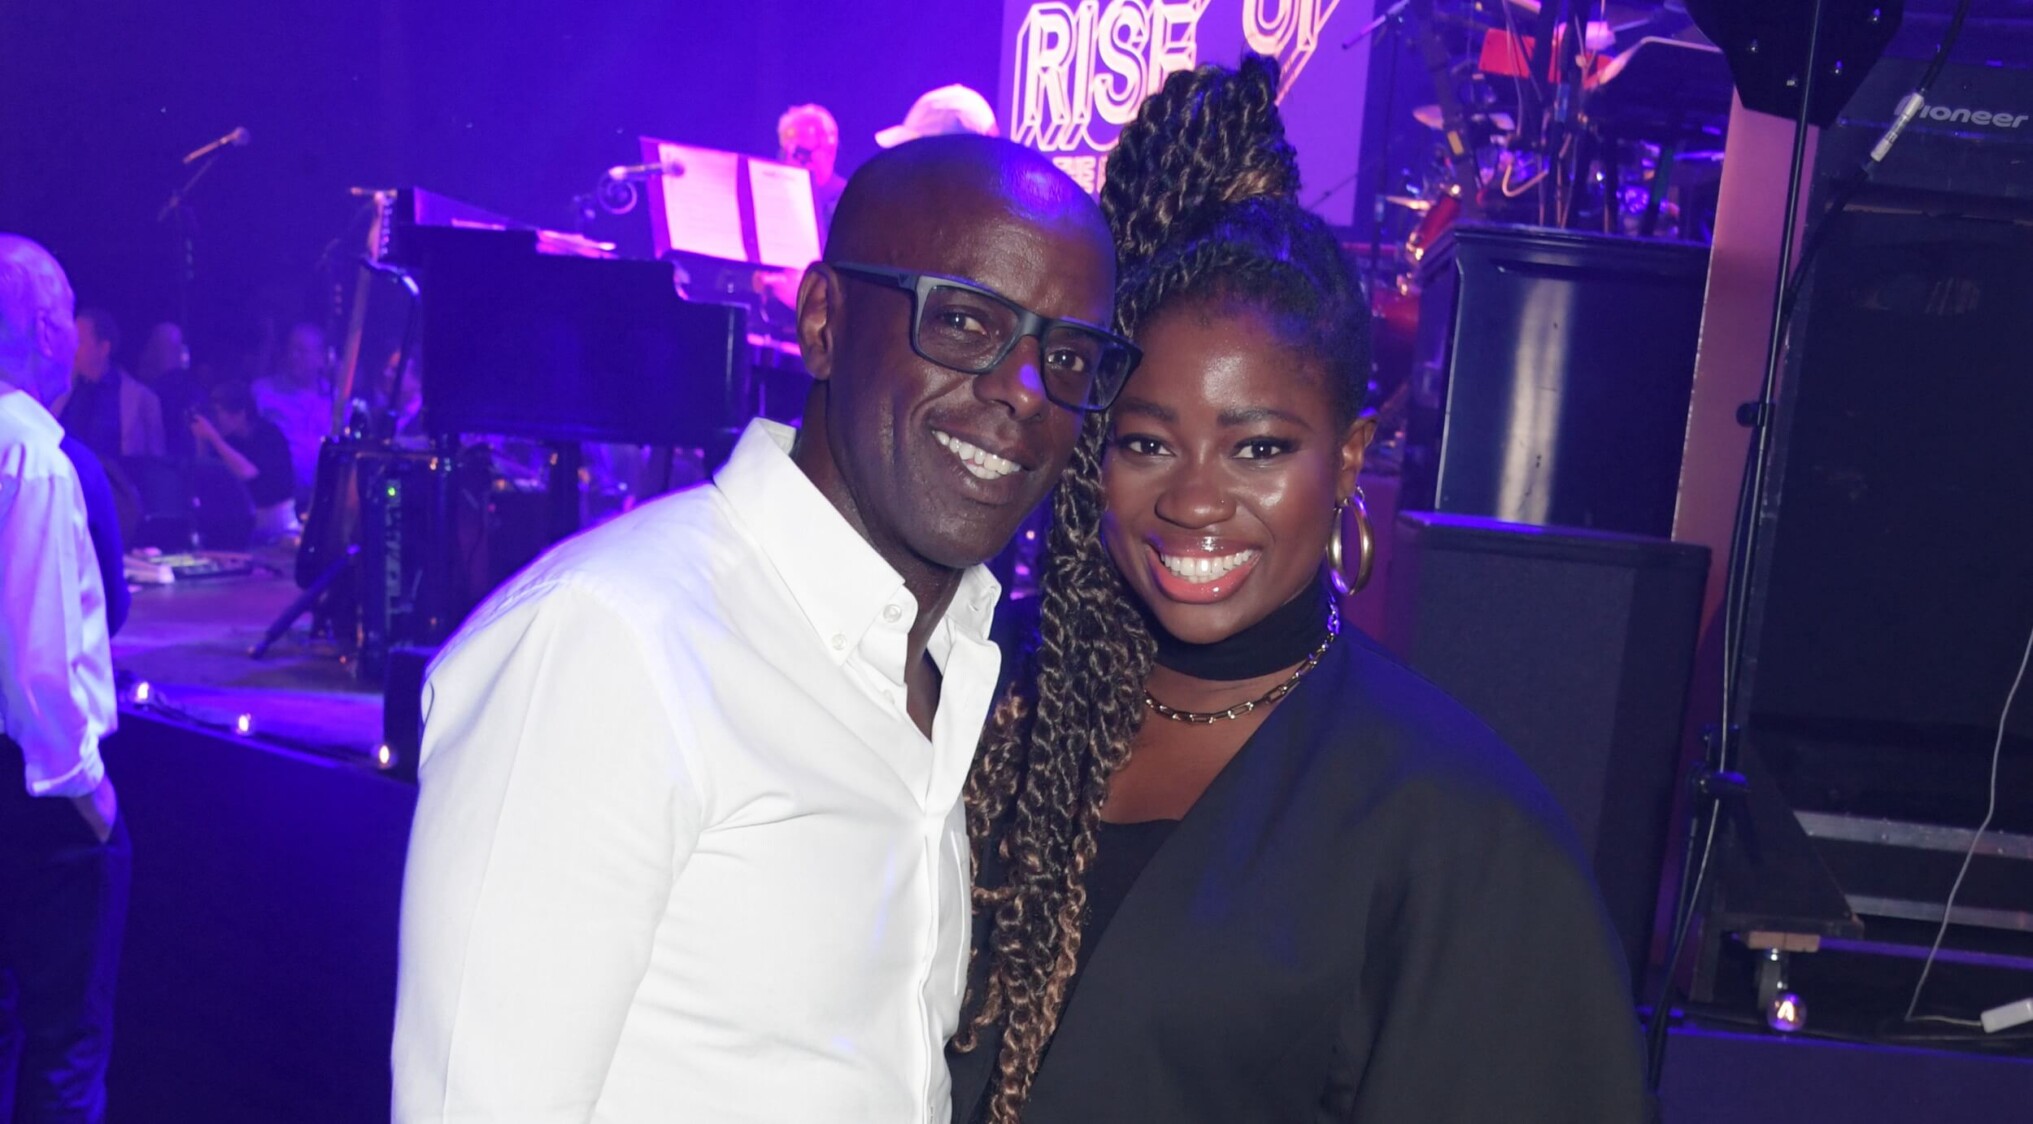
{"x": 948, "y": 109}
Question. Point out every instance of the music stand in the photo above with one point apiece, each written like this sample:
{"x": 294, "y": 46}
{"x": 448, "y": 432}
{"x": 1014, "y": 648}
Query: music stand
{"x": 732, "y": 208}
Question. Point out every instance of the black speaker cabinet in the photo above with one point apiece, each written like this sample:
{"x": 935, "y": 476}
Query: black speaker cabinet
{"x": 1576, "y": 648}
{"x": 1893, "y": 591}
{"x": 1894, "y": 597}
{"x": 1553, "y": 375}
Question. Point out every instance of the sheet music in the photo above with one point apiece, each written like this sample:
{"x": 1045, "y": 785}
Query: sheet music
{"x": 786, "y": 219}
{"x": 702, "y": 207}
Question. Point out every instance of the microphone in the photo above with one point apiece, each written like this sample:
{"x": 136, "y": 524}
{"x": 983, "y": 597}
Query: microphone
{"x": 621, "y": 172}
{"x": 238, "y": 138}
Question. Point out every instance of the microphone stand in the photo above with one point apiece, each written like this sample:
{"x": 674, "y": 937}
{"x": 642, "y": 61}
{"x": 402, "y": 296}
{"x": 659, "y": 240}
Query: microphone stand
{"x": 1390, "y": 15}
{"x": 1717, "y": 787}
{"x": 187, "y": 247}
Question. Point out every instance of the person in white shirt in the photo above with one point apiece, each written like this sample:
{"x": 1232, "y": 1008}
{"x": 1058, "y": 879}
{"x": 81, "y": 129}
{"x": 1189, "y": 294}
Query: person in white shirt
{"x": 64, "y": 857}
{"x": 689, "y": 843}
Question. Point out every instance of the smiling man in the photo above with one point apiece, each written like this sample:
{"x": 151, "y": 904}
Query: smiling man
{"x": 689, "y": 844}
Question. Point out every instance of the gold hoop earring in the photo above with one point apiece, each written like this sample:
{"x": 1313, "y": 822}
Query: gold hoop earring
{"x": 1365, "y": 542}
{"x": 1365, "y": 547}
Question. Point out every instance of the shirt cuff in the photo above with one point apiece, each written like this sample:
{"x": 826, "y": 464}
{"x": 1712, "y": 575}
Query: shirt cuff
{"x": 81, "y": 780}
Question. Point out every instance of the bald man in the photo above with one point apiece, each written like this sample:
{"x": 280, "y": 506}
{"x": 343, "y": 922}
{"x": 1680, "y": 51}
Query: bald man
{"x": 64, "y": 858}
{"x": 689, "y": 844}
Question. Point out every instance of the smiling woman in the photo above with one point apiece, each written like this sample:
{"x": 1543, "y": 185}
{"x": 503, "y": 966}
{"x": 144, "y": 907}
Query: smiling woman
{"x": 1314, "y": 888}
{"x": 1225, "y": 469}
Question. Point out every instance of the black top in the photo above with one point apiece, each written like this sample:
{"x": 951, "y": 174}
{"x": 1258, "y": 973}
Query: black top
{"x": 92, "y": 413}
{"x": 265, "y": 445}
{"x": 1374, "y": 913}
{"x": 1121, "y": 850}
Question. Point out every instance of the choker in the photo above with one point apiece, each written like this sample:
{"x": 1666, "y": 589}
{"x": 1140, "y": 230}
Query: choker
{"x": 1290, "y": 634}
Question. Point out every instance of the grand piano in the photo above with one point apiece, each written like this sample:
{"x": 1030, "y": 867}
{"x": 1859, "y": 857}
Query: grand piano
{"x": 523, "y": 335}
{"x": 517, "y": 334}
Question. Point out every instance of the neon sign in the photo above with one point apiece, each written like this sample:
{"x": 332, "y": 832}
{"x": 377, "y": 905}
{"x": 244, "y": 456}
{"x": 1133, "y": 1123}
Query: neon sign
{"x": 1286, "y": 30}
{"x": 1076, "y": 71}
{"x": 1081, "y": 71}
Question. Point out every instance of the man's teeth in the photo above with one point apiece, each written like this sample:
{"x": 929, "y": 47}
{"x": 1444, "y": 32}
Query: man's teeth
{"x": 1200, "y": 569}
{"x": 979, "y": 461}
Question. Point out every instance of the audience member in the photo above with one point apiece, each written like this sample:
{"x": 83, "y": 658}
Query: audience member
{"x": 164, "y": 366}
{"x": 255, "y": 451}
{"x": 298, "y": 399}
{"x": 103, "y": 521}
{"x": 64, "y": 855}
{"x": 111, "y": 411}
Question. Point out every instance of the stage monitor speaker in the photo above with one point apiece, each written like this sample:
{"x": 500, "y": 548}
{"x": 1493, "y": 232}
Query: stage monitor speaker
{"x": 1576, "y": 647}
{"x": 1894, "y": 596}
{"x": 1890, "y": 599}
{"x": 1554, "y": 371}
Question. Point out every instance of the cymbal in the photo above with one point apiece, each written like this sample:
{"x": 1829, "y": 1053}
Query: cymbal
{"x": 1410, "y": 202}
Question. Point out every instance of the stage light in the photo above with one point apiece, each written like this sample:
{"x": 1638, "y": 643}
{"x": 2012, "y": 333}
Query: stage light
{"x": 142, "y": 693}
{"x": 1787, "y": 1013}
{"x": 384, "y": 757}
{"x": 244, "y": 724}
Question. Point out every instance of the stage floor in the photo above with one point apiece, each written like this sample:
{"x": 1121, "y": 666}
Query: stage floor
{"x": 189, "y": 640}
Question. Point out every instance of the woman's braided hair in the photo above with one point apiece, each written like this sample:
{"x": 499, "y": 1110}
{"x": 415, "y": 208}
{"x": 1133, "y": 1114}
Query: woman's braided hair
{"x": 1201, "y": 198}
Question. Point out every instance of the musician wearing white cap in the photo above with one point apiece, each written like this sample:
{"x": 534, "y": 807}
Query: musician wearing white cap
{"x": 948, "y": 109}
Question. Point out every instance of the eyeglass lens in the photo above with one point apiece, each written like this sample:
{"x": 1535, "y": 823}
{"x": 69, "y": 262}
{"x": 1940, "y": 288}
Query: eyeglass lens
{"x": 971, "y": 331}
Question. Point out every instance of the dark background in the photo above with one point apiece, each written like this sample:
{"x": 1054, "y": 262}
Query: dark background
{"x": 513, "y": 105}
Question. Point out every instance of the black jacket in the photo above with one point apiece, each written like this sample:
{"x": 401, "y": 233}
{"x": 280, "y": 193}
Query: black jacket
{"x": 1374, "y": 913}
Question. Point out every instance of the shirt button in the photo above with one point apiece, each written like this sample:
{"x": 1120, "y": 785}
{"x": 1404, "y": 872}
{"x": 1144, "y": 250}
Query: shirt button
{"x": 892, "y": 614}
{"x": 839, "y": 641}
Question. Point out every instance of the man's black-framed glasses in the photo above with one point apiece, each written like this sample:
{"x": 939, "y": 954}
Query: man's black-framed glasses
{"x": 959, "y": 324}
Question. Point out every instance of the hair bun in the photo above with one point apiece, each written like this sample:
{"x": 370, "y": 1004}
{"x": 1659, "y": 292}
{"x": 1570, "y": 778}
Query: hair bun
{"x": 1210, "y": 139}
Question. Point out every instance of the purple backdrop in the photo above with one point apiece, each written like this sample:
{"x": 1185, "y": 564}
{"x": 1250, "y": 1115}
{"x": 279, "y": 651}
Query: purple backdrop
{"x": 513, "y": 105}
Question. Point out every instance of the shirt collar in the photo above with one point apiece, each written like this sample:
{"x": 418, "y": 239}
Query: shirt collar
{"x": 21, "y": 407}
{"x": 838, "y": 580}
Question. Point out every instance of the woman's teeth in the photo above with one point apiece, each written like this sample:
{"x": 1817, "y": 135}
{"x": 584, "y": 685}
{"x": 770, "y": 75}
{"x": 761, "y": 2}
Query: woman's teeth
{"x": 1200, "y": 568}
{"x": 979, "y": 461}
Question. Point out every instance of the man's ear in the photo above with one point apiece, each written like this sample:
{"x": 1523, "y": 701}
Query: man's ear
{"x": 49, "y": 339}
{"x": 820, "y": 301}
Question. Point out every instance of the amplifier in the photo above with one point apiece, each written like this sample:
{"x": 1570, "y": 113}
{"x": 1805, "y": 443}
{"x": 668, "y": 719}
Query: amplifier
{"x": 1890, "y": 604}
{"x": 401, "y": 583}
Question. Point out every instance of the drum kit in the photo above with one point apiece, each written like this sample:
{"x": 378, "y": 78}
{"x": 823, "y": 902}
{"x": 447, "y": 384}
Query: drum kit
{"x": 1599, "y": 115}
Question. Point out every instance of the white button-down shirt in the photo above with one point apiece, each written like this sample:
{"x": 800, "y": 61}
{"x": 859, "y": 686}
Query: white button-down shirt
{"x": 56, "y": 666}
{"x": 680, "y": 852}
